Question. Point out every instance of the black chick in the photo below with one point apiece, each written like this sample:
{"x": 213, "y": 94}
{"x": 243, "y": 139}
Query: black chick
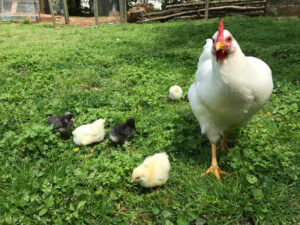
{"x": 122, "y": 132}
{"x": 62, "y": 124}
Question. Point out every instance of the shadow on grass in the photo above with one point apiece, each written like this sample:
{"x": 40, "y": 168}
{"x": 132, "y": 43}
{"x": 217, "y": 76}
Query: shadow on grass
{"x": 189, "y": 145}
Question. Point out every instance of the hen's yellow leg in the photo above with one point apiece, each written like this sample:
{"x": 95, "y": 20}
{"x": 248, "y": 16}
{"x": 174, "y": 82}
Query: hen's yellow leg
{"x": 214, "y": 168}
{"x": 223, "y": 145}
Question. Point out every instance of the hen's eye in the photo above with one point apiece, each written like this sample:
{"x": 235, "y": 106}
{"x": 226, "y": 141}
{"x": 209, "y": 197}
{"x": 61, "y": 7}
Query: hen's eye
{"x": 229, "y": 39}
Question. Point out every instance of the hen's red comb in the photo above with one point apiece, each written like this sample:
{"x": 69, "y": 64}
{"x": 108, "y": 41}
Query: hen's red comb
{"x": 221, "y": 29}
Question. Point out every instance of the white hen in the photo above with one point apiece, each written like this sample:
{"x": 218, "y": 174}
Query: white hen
{"x": 229, "y": 89}
{"x": 89, "y": 133}
{"x": 153, "y": 172}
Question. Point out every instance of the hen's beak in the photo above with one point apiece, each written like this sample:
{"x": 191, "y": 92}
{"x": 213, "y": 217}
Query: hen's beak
{"x": 72, "y": 119}
{"x": 220, "y": 46}
{"x": 132, "y": 180}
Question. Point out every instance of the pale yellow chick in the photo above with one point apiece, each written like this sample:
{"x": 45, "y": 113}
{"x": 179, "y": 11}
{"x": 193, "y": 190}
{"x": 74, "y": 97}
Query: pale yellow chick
{"x": 89, "y": 133}
{"x": 153, "y": 172}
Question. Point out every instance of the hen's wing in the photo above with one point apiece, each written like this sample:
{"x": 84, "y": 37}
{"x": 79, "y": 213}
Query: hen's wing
{"x": 205, "y": 63}
{"x": 261, "y": 83}
{"x": 201, "y": 93}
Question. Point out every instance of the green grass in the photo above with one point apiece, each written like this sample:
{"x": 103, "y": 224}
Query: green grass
{"x": 44, "y": 181}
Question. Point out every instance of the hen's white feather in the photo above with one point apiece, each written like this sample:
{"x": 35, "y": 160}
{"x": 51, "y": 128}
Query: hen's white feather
{"x": 227, "y": 93}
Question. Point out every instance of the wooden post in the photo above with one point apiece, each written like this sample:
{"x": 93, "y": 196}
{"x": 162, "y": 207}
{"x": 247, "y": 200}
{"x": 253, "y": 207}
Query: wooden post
{"x": 52, "y": 13}
{"x": 42, "y": 7}
{"x": 66, "y": 12}
{"x": 123, "y": 11}
{"x": 14, "y": 7}
{"x": 206, "y": 10}
{"x": 2, "y": 7}
{"x": 96, "y": 12}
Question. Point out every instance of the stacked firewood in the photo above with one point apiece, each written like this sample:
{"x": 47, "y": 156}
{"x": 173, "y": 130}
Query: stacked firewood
{"x": 219, "y": 8}
{"x": 138, "y": 11}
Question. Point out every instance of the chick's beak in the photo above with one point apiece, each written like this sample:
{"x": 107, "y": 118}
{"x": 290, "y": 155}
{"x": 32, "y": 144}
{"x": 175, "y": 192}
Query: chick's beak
{"x": 72, "y": 119}
{"x": 132, "y": 180}
{"x": 220, "y": 46}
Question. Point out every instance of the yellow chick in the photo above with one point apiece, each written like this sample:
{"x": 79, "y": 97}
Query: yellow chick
{"x": 89, "y": 133}
{"x": 153, "y": 172}
{"x": 175, "y": 92}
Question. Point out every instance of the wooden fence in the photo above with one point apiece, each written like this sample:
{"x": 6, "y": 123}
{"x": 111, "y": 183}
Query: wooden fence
{"x": 209, "y": 9}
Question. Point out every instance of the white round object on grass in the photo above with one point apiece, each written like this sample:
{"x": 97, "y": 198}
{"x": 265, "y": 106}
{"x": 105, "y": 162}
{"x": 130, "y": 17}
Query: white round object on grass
{"x": 175, "y": 92}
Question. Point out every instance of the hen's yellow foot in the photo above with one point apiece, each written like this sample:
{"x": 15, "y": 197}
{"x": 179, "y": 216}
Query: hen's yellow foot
{"x": 223, "y": 145}
{"x": 215, "y": 170}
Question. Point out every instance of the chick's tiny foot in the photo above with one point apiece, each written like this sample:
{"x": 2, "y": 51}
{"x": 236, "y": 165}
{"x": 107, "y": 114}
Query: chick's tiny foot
{"x": 157, "y": 189}
{"x": 215, "y": 170}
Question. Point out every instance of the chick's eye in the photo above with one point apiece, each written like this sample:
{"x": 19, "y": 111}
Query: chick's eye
{"x": 229, "y": 39}
{"x": 137, "y": 178}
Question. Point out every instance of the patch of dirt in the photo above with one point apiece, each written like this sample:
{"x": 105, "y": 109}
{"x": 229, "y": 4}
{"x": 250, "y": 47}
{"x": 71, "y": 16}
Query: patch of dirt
{"x": 90, "y": 88}
{"x": 290, "y": 11}
{"x": 283, "y": 10}
{"x": 81, "y": 21}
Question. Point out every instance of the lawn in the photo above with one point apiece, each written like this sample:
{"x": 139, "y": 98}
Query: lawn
{"x": 44, "y": 71}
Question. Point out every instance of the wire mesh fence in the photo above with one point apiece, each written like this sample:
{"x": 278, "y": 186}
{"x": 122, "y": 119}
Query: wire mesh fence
{"x": 17, "y": 10}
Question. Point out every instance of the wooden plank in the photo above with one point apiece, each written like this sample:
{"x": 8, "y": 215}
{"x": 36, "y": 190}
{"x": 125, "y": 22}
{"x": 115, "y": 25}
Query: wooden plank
{"x": 223, "y": 8}
{"x": 237, "y": 8}
{"x": 190, "y": 17}
{"x": 211, "y": 9}
{"x": 172, "y": 15}
{"x": 246, "y": 13}
{"x": 215, "y": 2}
{"x": 167, "y": 12}
{"x": 52, "y": 13}
{"x": 96, "y": 12}
{"x": 193, "y": 14}
{"x": 14, "y": 7}
{"x": 66, "y": 12}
